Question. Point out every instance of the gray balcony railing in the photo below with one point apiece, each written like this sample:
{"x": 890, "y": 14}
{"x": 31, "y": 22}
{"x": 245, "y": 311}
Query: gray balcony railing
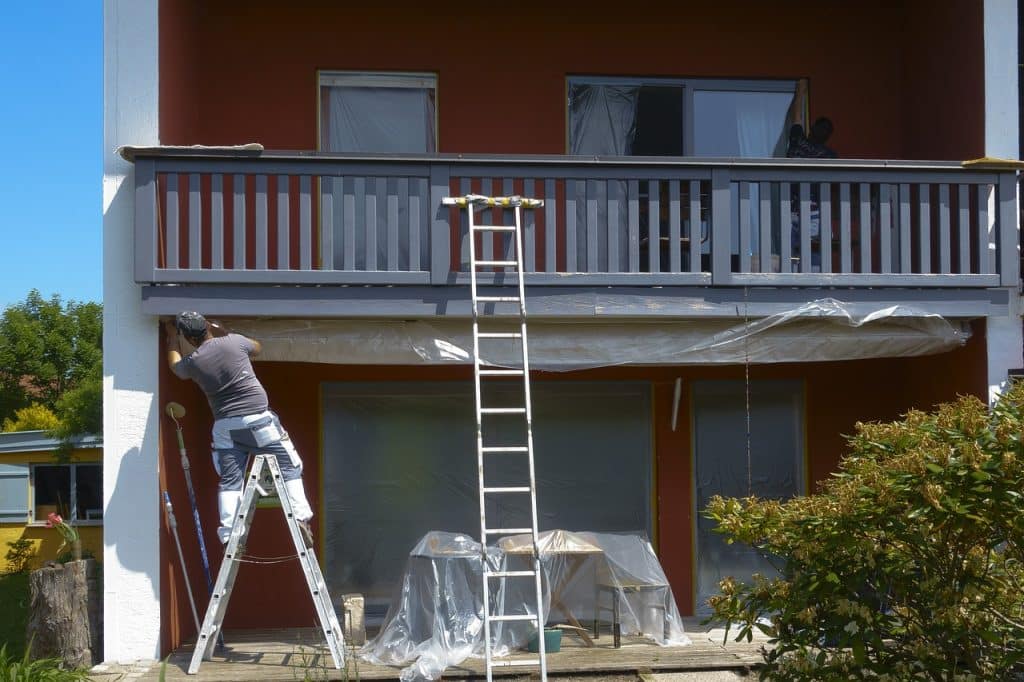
{"x": 234, "y": 217}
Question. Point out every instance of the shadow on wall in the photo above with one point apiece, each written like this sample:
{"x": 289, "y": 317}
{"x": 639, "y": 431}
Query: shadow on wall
{"x": 121, "y": 520}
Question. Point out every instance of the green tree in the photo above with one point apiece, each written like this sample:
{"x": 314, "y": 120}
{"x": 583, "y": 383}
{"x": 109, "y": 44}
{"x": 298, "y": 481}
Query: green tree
{"x": 907, "y": 566}
{"x": 51, "y": 354}
{"x": 32, "y": 418}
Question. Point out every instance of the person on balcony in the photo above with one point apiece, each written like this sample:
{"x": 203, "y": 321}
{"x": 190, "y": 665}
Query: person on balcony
{"x": 243, "y": 423}
{"x": 813, "y": 146}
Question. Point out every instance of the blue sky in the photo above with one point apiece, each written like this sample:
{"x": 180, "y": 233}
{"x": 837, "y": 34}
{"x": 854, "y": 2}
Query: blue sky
{"x": 51, "y": 138}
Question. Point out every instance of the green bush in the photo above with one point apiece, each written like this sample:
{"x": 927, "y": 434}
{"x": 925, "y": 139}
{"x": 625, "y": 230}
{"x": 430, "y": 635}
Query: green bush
{"x": 907, "y": 565}
{"x": 14, "y": 669}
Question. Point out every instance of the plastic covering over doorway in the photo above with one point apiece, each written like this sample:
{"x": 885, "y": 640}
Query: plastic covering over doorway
{"x": 399, "y": 461}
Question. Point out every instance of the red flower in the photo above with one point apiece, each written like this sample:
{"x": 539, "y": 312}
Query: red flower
{"x": 53, "y": 519}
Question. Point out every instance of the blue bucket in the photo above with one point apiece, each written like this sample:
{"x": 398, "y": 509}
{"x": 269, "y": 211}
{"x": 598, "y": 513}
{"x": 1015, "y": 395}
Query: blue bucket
{"x": 552, "y": 641}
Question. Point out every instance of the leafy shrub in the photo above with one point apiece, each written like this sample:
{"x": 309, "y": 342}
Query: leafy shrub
{"x": 907, "y": 565}
{"x": 24, "y": 669}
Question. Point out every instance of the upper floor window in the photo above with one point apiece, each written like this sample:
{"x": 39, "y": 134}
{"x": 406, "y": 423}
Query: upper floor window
{"x": 681, "y": 117}
{"x": 378, "y": 112}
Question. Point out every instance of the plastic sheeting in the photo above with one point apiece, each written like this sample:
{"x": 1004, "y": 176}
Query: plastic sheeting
{"x": 436, "y": 620}
{"x": 826, "y": 329}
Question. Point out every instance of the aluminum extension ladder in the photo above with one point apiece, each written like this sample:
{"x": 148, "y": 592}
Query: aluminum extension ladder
{"x": 482, "y": 374}
{"x": 229, "y": 568}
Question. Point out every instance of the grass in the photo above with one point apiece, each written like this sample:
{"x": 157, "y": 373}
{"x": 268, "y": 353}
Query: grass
{"x": 14, "y": 607}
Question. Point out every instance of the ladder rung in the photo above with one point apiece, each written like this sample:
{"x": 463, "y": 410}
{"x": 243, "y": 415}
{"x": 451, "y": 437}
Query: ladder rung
{"x": 511, "y": 574}
{"x": 497, "y": 299}
{"x": 504, "y": 448}
{"x": 500, "y": 335}
{"x": 502, "y": 410}
{"x": 501, "y": 372}
{"x": 515, "y": 662}
{"x": 515, "y": 489}
{"x": 515, "y": 617}
{"x": 497, "y": 263}
{"x": 507, "y": 531}
{"x": 495, "y": 228}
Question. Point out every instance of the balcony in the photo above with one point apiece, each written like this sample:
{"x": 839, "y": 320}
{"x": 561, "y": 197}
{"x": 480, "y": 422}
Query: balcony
{"x": 238, "y": 218}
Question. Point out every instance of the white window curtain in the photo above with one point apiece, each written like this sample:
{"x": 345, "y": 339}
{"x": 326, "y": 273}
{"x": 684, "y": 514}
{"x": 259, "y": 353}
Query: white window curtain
{"x": 379, "y": 119}
{"x": 744, "y": 124}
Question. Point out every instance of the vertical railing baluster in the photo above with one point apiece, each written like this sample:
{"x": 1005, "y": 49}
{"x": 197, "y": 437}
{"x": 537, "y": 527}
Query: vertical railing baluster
{"x": 592, "y": 227}
{"x": 507, "y": 218}
{"x": 806, "y": 259}
{"x": 674, "y": 219}
{"x": 238, "y": 191}
{"x": 945, "y": 231}
{"x": 964, "y": 226}
{"x": 864, "y": 199}
{"x": 530, "y": 228}
{"x": 904, "y": 244}
{"x": 348, "y": 223}
{"x": 370, "y": 221}
{"x": 550, "y": 226}
{"x": 985, "y": 227}
{"x": 744, "y": 264}
{"x": 845, "y": 229}
{"x": 391, "y": 200}
{"x": 633, "y": 203}
{"x": 416, "y": 188}
{"x": 615, "y": 229}
{"x": 195, "y": 223}
{"x": 570, "y": 224}
{"x": 764, "y": 194}
{"x": 924, "y": 226}
{"x": 305, "y": 223}
{"x": 466, "y": 240}
{"x": 327, "y": 222}
{"x": 173, "y": 211}
{"x": 654, "y": 225}
{"x": 825, "y": 225}
{"x": 217, "y": 221}
{"x": 696, "y": 228}
{"x": 284, "y": 258}
{"x": 885, "y": 228}
{"x": 785, "y": 227}
{"x": 261, "y": 218}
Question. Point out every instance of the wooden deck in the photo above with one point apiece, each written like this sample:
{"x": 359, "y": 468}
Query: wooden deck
{"x": 294, "y": 654}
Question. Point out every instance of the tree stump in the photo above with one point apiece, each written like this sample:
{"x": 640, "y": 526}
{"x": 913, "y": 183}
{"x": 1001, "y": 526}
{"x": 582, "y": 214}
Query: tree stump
{"x": 64, "y": 613}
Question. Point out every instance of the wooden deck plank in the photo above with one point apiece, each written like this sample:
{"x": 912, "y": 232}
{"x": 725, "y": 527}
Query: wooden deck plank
{"x": 294, "y": 653}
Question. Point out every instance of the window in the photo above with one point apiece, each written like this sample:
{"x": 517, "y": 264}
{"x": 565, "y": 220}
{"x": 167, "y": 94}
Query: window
{"x": 385, "y": 112}
{"x": 75, "y": 491}
{"x": 688, "y": 117}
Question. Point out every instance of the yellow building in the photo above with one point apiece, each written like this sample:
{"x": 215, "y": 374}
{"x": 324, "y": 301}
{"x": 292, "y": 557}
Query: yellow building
{"x": 33, "y": 483}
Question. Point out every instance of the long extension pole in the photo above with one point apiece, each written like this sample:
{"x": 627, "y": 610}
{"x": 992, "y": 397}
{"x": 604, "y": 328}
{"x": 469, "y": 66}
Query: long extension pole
{"x": 187, "y": 468}
{"x": 172, "y": 523}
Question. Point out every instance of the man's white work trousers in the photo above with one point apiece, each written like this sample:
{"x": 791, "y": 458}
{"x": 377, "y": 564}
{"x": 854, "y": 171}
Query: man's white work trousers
{"x": 234, "y": 440}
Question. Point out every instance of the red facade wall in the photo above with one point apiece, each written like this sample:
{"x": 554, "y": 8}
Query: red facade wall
{"x": 244, "y": 72}
{"x": 233, "y": 72}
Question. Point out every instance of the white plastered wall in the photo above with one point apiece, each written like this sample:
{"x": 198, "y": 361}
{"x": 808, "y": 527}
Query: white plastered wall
{"x": 1003, "y": 334}
{"x": 131, "y": 569}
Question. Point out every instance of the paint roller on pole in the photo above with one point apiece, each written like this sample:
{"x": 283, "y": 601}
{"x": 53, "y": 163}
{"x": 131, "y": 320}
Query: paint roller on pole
{"x": 176, "y": 411}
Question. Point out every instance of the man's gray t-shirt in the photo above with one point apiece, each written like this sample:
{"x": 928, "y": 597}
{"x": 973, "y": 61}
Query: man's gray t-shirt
{"x": 222, "y": 369}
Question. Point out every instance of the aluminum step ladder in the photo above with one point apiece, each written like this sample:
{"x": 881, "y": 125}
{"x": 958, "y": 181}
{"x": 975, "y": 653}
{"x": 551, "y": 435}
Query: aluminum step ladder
{"x": 236, "y": 546}
{"x": 495, "y": 331}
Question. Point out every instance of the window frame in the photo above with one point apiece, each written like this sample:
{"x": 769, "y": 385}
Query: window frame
{"x": 72, "y": 493}
{"x": 689, "y": 87}
{"x": 417, "y": 80}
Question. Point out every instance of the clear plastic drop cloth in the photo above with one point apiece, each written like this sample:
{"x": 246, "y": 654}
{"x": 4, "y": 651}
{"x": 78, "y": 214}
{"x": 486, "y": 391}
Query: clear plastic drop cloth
{"x": 590, "y": 580}
{"x": 826, "y": 329}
